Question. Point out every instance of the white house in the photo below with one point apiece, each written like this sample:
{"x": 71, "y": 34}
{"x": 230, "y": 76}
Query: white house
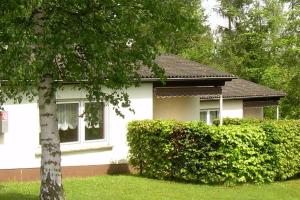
{"x": 192, "y": 92}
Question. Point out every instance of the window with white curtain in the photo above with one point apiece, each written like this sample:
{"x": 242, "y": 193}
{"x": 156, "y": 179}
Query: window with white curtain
{"x": 74, "y": 127}
{"x": 68, "y": 118}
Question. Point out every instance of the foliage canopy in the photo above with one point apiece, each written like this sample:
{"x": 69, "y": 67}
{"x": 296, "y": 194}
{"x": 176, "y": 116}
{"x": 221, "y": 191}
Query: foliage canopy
{"x": 94, "y": 43}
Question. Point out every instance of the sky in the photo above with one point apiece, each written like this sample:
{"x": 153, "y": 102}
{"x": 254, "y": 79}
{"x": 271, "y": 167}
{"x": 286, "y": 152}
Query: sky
{"x": 214, "y": 19}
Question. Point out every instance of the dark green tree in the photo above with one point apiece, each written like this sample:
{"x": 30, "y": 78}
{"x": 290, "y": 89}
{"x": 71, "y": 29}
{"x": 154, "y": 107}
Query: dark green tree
{"x": 95, "y": 44}
{"x": 289, "y": 59}
{"x": 245, "y": 48}
{"x": 234, "y": 11}
{"x": 196, "y": 41}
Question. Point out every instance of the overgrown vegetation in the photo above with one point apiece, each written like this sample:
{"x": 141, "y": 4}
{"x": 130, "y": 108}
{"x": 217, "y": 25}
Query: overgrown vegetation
{"x": 254, "y": 152}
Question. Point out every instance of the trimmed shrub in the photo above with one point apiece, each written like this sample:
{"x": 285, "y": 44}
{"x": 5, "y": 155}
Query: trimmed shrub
{"x": 236, "y": 121}
{"x": 195, "y": 152}
{"x": 284, "y": 142}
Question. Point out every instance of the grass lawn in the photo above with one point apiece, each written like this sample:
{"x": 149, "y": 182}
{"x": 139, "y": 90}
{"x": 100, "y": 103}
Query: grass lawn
{"x": 136, "y": 188}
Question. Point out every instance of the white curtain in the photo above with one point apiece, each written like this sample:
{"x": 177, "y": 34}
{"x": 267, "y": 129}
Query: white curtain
{"x": 67, "y": 115}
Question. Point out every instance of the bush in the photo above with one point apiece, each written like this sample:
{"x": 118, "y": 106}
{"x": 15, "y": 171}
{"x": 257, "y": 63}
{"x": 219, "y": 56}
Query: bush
{"x": 284, "y": 141}
{"x": 195, "y": 152}
{"x": 236, "y": 121}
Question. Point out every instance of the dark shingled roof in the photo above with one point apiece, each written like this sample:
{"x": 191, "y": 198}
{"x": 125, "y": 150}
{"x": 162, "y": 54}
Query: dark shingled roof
{"x": 177, "y": 67}
{"x": 243, "y": 89}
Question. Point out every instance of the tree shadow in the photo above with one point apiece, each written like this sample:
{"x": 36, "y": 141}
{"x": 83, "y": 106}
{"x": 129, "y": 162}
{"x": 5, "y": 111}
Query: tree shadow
{"x": 118, "y": 167}
{"x": 17, "y": 196}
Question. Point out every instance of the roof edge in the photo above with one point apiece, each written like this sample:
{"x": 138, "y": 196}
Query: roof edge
{"x": 245, "y": 97}
{"x": 188, "y": 79}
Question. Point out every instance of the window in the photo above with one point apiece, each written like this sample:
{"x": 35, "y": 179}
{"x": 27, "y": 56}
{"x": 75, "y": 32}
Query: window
{"x": 208, "y": 116}
{"x": 97, "y": 131}
{"x": 73, "y": 127}
{"x": 203, "y": 116}
{"x": 67, "y": 115}
{"x": 213, "y": 115}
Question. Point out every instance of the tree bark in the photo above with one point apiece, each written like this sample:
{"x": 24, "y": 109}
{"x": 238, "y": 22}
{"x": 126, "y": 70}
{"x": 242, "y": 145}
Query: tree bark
{"x": 50, "y": 172}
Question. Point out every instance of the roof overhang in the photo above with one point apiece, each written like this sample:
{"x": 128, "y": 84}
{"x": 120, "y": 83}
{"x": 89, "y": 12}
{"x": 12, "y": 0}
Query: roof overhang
{"x": 261, "y": 102}
{"x": 245, "y": 98}
{"x": 176, "y": 82}
{"x": 215, "y": 82}
{"x": 186, "y": 91}
{"x": 189, "y": 79}
{"x": 248, "y": 101}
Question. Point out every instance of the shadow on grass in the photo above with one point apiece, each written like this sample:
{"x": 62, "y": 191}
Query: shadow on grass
{"x": 17, "y": 196}
{"x": 166, "y": 180}
{"x": 224, "y": 185}
{"x": 296, "y": 177}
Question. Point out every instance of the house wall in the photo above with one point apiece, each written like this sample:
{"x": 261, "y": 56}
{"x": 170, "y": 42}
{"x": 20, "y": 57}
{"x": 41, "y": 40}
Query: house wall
{"x": 188, "y": 108}
{"x": 178, "y": 108}
{"x": 254, "y": 112}
{"x": 19, "y": 147}
{"x": 231, "y": 108}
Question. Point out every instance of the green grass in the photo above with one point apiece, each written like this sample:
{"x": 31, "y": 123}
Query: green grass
{"x": 136, "y": 188}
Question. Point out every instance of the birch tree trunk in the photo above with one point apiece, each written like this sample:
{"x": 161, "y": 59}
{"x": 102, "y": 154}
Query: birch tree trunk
{"x": 50, "y": 172}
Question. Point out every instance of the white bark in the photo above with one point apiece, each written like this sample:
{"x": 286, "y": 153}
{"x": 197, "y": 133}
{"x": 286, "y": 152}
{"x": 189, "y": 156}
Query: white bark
{"x": 51, "y": 178}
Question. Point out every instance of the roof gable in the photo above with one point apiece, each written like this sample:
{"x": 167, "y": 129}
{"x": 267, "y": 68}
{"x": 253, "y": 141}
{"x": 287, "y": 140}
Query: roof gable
{"x": 177, "y": 67}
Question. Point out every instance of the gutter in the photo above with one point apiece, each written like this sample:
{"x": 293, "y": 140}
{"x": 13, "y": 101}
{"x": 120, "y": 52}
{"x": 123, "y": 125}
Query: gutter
{"x": 149, "y": 80}
{"x": 189, "y": 79}
{"x": 244, "y": 97}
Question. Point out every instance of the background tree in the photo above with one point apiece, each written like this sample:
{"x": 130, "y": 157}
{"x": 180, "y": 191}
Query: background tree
{"x": 95, "y": 44}
{"x": 195, "y": 40}
{"x": 246, "y": 49}
{"x": 288, "y": 57}
{"x": 233, "y": 10}
{"x": 261, "y": 44}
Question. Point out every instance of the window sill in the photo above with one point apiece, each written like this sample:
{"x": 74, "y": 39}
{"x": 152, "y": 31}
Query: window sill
{"x": 79, "y": 148}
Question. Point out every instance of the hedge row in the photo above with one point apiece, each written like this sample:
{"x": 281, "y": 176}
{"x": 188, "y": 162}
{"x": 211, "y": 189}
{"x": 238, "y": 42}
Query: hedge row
{"x": 237, "y": 121}
{"x": 194, "y": 152}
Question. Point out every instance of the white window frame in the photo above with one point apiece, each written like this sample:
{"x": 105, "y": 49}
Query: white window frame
{"x": 81, "y": 123}
{"x": 208, "y": 114}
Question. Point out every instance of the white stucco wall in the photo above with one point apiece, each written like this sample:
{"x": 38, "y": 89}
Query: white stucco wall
{"x": 188, "y": 108}
{"x": 21, "y": 140}
{"x": 178, "y": 108}
{"x": 254, "y": 112}
{"x": 19, "y": 147}
{"x": 231, "y": 108}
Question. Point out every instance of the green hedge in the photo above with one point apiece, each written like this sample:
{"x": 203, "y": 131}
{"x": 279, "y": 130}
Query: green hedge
{"x": 195, "y": 152}
{"x": 284, "y": 141}
{"x": 236, "y": 121}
